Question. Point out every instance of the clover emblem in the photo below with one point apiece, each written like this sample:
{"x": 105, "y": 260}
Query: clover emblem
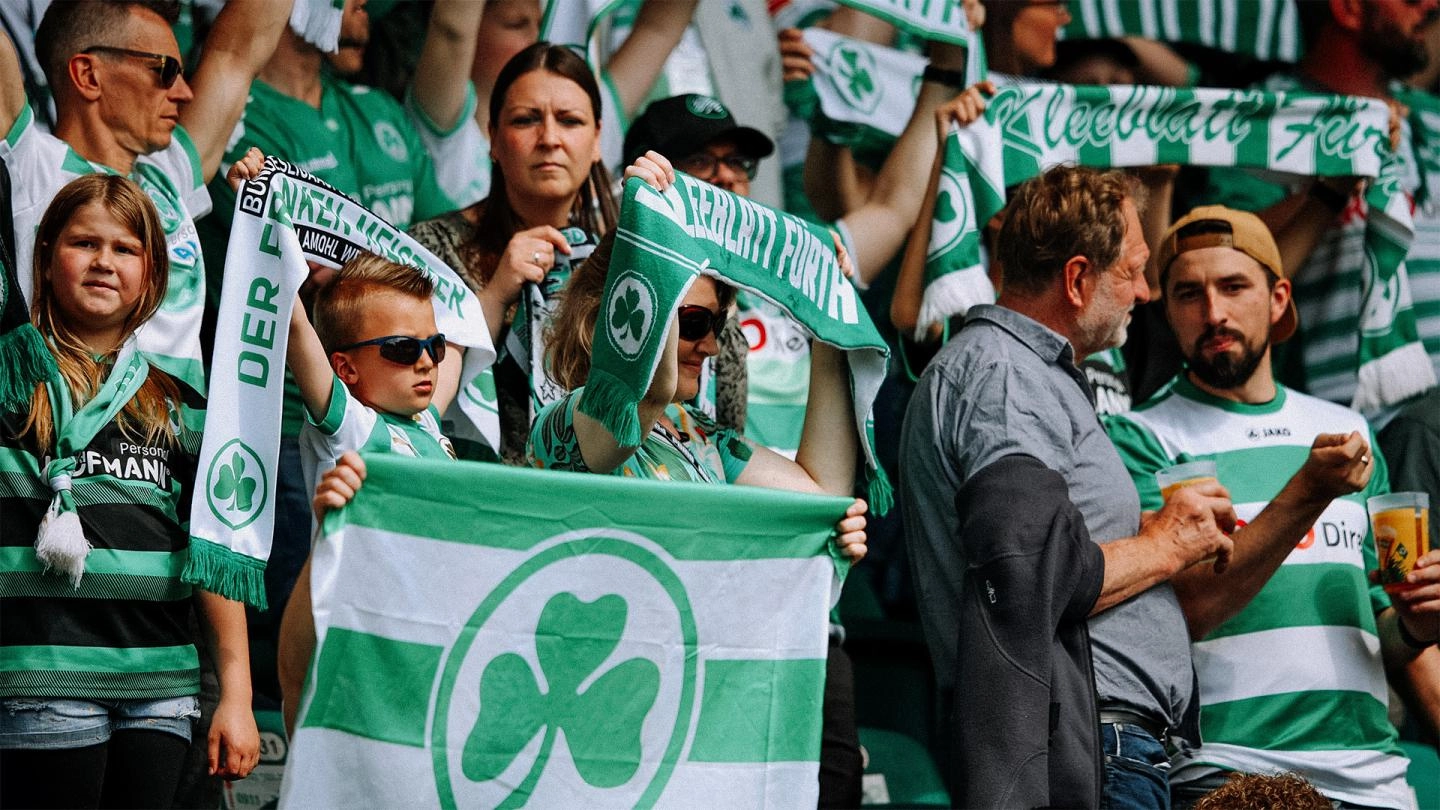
{"x": 945, "y": 207}
{"x": 627, "y": 315}
{"x": 602, "y": 721}
{"x": 233, "y": 483}
{"x": 857, "y": 78}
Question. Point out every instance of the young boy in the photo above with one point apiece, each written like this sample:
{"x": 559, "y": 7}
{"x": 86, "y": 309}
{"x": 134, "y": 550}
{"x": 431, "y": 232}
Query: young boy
{"x": 371, "y": 371}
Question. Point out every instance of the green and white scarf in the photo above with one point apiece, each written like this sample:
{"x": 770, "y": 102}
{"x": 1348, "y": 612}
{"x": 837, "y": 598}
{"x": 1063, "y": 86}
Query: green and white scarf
{"x": 572, "y": 22}
{"x": 865, "y": 92}
{"x": 60, "y": 542}
{"x": 935, "y": 20}
{"x": 318, "y": 22}
{"x": 1265, "y": 29}
{"x": 285, "y": 218}
{"x": 1028, "y": 128}
{"x": 667, "y": 240}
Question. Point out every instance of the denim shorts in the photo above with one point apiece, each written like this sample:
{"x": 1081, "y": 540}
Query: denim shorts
{"x": 56, "y": 723}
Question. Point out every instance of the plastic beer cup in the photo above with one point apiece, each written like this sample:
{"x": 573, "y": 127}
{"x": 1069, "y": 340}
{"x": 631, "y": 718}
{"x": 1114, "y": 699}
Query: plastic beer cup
{"x": 1184, "y": 475}
{"x": 1402, "y": 533}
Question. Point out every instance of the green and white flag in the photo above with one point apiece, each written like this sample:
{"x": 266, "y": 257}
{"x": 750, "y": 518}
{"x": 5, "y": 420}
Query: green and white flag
{"x": 1265, "y": 29}
{"x": 318, "y": 22}
{"x": 285, "y": 218}
{"x": 580, "y": 642}
{"x": 572, "y": 22}
{"x": 866, "y": 92}
{"x": 665, "y": 241}
{"x": 1028, "y": 128}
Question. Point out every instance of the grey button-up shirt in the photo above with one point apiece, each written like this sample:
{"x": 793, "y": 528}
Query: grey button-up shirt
{"x": 1006, "y": 384}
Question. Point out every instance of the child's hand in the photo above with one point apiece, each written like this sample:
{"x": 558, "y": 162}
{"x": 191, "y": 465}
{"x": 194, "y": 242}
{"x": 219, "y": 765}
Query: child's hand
{"x": 234, "y": 740}
{"x": 338, "y": 486}
{"x": 850, "y": 531}
{"x": 245, "y": 168}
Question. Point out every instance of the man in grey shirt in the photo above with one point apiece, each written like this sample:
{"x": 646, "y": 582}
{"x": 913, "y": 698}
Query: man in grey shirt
{"x": 1007, "y": 386}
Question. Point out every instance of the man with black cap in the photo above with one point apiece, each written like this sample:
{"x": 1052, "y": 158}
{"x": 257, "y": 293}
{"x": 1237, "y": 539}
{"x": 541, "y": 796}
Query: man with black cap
{"x": 1293, "y": 635}
{"x": 701, "y": 138}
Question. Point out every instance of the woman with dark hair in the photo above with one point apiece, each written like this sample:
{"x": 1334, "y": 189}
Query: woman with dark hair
{"x": 550, "y": 202}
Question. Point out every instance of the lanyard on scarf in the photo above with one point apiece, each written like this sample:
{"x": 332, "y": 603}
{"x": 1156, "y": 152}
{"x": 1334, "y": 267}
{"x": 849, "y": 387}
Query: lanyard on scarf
{"x": 60, "y": 543}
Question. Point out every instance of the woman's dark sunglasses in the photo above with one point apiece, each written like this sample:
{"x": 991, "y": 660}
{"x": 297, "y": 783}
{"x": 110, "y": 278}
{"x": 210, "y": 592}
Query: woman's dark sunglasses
{"x": 696, "y": 322}
{"x": 404, "y": 349}
{"x": 168, "y": 67}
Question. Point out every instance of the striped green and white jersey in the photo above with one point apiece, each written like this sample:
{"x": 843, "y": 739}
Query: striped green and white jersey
{"x": 125, "y": 631}
{"x": 41, "y": 164}
{"x": 1322, "y": 359}
{"x": 1294, "y": 681}
{"x": 350, "y": 424}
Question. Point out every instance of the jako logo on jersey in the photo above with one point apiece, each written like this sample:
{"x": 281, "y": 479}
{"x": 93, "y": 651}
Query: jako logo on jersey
{"x": 1256, "y": 434}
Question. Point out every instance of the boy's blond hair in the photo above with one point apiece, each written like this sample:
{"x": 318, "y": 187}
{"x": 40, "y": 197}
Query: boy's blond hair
{"x": 338, "y": 312}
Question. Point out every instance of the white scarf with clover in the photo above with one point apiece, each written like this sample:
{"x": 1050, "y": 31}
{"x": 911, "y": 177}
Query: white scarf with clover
{"x": 597, "y": 641}
{"x": 1028, "y": 128}
{"x": 939, "y": 21}
{"x": 1265, "y": 29}
{"x": 866, "y": 92}
{"x": 285, "y": 218}
{"x": 665, "y": 241}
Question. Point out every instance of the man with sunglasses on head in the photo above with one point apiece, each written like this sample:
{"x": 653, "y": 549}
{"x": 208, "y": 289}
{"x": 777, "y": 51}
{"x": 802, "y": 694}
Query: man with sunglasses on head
{"x": 123, "y": 105}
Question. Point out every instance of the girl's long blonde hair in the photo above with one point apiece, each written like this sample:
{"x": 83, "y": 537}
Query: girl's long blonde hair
{"x": 147, "y": 416}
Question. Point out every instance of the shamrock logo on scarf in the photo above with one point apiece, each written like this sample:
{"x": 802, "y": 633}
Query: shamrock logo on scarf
{"x": 631, "y": 311}
{"x": 950, "y": 209}
{"x": 236, "y": 485}
{"x": 855, "y": 72}
{"x": 601, "y": 722}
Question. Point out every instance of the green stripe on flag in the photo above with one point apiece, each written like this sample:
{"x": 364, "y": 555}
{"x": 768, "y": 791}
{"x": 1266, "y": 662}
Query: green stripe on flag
{"x": 1351, "y": 721}
{"x": 1335, "y": 595}
{"x": 760, "y": 711}
{"x": 373, "y": 687}
{"x": 786, "y": 533}
{"x": 99, "y": 659}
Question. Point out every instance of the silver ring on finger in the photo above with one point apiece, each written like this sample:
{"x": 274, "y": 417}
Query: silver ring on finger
{"x": 535, "y": 257}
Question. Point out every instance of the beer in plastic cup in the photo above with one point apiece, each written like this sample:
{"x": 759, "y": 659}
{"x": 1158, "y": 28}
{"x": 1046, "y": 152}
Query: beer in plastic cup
{"x": 1184, "y": 475}
{"x": 1402, "y": 533}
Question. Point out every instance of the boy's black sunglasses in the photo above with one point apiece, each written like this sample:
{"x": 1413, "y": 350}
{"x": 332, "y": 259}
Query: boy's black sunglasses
{"x": 404, "y": 349}
{"x": 168, "y": 67}
{"x": 696, "y": 322}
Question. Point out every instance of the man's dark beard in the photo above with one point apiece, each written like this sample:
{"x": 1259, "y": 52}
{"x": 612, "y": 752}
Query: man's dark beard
{"x": 1224, "y": 371}
{"x": 1382, "y": 41}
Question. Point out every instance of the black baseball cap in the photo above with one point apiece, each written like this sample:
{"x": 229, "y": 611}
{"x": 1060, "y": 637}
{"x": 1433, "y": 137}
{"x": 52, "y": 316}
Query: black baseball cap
{"x": 680, "y": 126}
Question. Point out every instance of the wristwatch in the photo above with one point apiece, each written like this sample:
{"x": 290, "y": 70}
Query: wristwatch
{"x": 945, "y": 76}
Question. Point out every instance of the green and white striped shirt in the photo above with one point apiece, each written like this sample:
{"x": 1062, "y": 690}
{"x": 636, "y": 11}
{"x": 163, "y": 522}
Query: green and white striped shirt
{"x": 1294, "y": 681}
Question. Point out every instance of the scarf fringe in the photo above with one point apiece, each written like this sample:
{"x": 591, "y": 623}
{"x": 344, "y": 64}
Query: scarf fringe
{"x": 880, "y": 493}
{"x": 610, "y": 401}
{"x": 226, "y": 573}
{"x": 60, "y": 543}
{"x": 25, "y": 362}
{"x": 953, "y": 294}
{"x": 1393, "y": 378}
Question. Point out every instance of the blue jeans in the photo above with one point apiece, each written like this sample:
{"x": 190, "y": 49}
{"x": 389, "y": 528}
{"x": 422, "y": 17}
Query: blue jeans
{"x": 56, "y": 723}
{"x": 1137, "y": 769}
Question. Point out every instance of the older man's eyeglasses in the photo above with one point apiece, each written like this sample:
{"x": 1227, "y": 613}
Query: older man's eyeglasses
{"x": 167, "y": 67}
{"x": 704, "y": 165}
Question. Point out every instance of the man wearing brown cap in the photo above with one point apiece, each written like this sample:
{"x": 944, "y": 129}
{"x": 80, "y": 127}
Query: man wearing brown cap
{"x": 1293, "y": 636}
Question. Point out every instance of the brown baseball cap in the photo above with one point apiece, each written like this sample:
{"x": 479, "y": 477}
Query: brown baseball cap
{"x": 1246, "y": 233}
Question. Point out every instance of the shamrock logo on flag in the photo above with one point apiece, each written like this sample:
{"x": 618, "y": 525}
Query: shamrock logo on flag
{"x": 602, "y": 722}
{"x": 854, "y": 76}
{"x": 234, "y": 487}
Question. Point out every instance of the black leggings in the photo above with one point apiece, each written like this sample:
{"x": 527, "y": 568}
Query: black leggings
{"x": 134, "y": 769}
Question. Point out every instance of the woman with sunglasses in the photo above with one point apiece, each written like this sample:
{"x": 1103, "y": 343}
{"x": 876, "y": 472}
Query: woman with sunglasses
{"x": 681, "y": 443}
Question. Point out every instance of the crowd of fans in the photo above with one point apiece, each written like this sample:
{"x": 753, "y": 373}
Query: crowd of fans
{"x": 1143, "y": 319}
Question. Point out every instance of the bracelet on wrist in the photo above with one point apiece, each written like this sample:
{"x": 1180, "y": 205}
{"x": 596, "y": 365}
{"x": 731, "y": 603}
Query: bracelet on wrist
{"x": 945, "y": 76}
{"x": 1411, "y": 641}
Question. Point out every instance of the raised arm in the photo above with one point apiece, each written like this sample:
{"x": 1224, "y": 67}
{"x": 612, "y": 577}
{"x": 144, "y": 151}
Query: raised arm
{"x": 243, "y": 38}
{"x": 12, "y": 84}
{"x": 658, "y": 28}
{"x": 309, "y": 363}
{"x": 1338, "y": 464}
{"x": 881, "y": 225}
{"x": 443, "y": 71}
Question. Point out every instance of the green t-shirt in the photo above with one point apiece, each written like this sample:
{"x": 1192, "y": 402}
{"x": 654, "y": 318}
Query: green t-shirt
{"x": 1294, "y": 681}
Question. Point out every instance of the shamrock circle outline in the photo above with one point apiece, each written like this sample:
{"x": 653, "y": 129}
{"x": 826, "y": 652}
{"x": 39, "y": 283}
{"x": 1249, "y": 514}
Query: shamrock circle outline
{"x": 607, "y": 541}
{"x": 223, "y": 466}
